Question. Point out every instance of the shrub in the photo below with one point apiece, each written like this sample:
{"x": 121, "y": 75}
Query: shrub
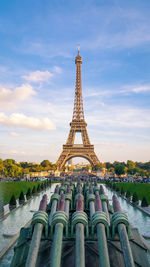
{"x": 135, "y": 198}
{"x": 114, "y": 186}
{"x": 117, "y": 189}
{"x": 28, "y": 194}
{"x": 12, "y": 202}
{"x": 1, "y": 209}
{"x": 144, "y": 202}
{"x": 33, "y": 190}
{"x": 42, "y": 186}
{"x": 109, "y": 184}
{"x": 38, "y": 188}
{"x": 21, "y": 198}
{"x": 128, "y": 194}
{"x": 122, "y": 191}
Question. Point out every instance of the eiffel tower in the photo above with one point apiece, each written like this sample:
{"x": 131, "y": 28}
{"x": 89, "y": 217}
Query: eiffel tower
{"x": 78, "y": 124}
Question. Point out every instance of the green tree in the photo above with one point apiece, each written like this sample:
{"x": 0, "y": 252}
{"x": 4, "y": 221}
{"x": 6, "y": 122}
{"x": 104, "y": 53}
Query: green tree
{"x": 46, "y": 163}
{"x": 108, "y": 165}
{"x": 1, "y": 167}
{"x": 38, "y": 188}
{"x": 132, "y": 171}
{"x": 128, "y": 195}
{"x": 21, "y": 198}
{"x": 98, "y": 167}
{"x": 33, "y": 190}
{"x": 122, "y": 191}
{"x": 119, "y": 169}
{"x": 24, "y": 164}
{"x": 135, "y": 199}
{"x": 28, "y": 194}
{"x": 9, "y": 162}
{"x": 144, "y": 202}
{"x": 12, "y": 202}
{"x": 130, "y": 164}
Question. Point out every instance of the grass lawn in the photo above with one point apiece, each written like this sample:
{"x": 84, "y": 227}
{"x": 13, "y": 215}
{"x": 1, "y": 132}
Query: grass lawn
{"x": 141, "y": 189}
{"x": 7, "y": 189}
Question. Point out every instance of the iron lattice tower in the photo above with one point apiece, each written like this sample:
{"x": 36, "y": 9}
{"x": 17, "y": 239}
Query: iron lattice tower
{"x": 78, "y": 124}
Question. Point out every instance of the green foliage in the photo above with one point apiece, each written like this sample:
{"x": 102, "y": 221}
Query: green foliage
{"x": 97, "y": 167}
{"x": 21, "y": 198}
{"x": 135, "y": 198}
{"x": 114, "y": 186}
{"x": 42, "y": 186}
{"x": 119, "y": 169}
{"x": 117, "y": 189}
{"x": 108, "y": 165}
{"x": 9, "y": 168}
{"x": 122, "y": 191}
{"x": 33, "y": 190}
{"x": 46, "y": 163}
{"x": 38, "y": 188}
{"x": 128, "y": 194}
{"x": 144, "y": 202}
{"x": 28, "y": 195}
{"x": 12, "y": 201}
{"x": 132, "y": 171}
{"x": 6, "y": 189}
{"x": 130, "y": 164}
{"x": 141, "y": 189}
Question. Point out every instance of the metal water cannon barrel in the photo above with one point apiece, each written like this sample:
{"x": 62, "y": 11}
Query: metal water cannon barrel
{"x": 101, "y": 223}
{"x": 39, "y": 222}
{"x": 59, "y": 221}
{"x": 78, "y": 224}
{"x": 53, "y": 203}
{"x": 120, "y": 224}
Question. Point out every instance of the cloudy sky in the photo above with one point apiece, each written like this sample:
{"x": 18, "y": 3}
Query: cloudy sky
{"x": 38, "y": 45}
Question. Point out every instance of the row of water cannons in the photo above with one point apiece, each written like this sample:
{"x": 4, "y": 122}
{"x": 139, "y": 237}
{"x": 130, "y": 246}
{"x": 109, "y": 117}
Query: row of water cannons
{"x": 91, "y": 217}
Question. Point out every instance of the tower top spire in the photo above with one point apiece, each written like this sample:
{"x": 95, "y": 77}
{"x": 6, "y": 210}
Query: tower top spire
{"x": 78, "y": 49}
{"x": 78, "y": 57}
{"x": 78, "y": 113}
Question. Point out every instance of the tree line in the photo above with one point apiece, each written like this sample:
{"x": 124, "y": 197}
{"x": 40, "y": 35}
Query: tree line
{"x": 130, "y": 167}
{"x": 11, "y": 168}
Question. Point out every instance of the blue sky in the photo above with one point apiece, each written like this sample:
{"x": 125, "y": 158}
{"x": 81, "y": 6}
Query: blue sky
{"x": 38, "y": 46}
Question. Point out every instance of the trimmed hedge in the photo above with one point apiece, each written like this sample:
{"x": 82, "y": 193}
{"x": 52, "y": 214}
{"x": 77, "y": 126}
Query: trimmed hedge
{"x": 144, "y": 202}
{"x": 12, "y": 202}
{"x": 34, "y": 191}
{"x": 28, "y": 194}
{"x": 7, "y": 188}
{"x": 135, "y": 199}
{"x": 21, "y": 198}
{"x": 128, "y": 195}
{"x": 141, "y": 189}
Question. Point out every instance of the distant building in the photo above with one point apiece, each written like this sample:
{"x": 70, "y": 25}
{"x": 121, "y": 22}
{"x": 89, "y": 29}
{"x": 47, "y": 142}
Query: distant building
{"x": 57, "y": 173}
{"x": 39, "y": 174}
{"x": 26, "y": 176}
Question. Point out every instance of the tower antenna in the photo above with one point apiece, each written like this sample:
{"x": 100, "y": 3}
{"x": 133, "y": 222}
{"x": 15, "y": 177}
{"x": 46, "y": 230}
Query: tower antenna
{"x": 78, "y": 48}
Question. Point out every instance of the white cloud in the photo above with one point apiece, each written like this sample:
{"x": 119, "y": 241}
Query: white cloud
{"x": 14, "y": 134}
{"x": 105, "y": 144}
{"x": 119, "y": 116}
{"x": 13, "y": 152}
{"x": 8, "y": 97}
{"x": 21, "y": 120}
{"x": 39, "y": 76}
{"x": 23, "y": 92}
{"x": 57, "y": 69}
{"x": 137, "y": 88}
